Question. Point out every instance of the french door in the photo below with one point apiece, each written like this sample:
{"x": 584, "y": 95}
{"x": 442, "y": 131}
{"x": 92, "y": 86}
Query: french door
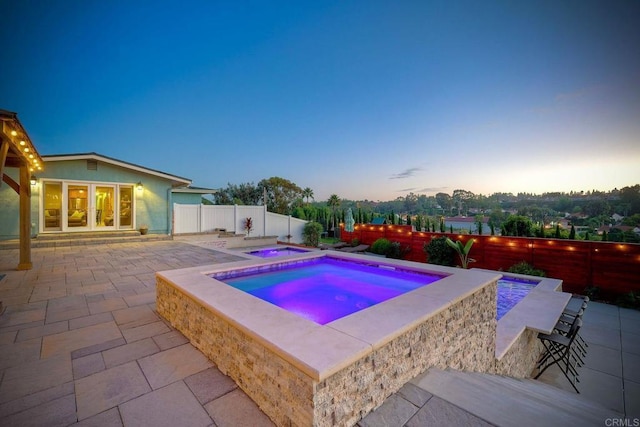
{"x": 81, "y": 206}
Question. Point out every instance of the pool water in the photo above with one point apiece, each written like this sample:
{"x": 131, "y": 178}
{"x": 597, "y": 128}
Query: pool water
{"x": 326, "y": 289}
{"x": 511, "y": 291}
{"x": 276, "y": 252}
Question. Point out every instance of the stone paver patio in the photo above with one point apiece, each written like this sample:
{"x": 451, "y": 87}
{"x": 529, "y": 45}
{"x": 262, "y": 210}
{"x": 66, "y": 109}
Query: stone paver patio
{"x": 81, "y": 344}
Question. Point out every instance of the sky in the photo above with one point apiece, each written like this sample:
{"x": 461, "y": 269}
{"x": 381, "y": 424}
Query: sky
{"x": 368, "y": 100}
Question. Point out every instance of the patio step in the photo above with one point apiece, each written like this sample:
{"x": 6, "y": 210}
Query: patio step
{"x": 85, "y": 238}
{"x": 506, "y": 401}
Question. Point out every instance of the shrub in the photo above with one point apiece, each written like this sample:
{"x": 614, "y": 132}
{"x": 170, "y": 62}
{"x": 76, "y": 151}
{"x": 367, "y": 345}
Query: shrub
{"x": 629, "y": 300}
{"x": 439, "y": 252}
{"x": 311, "y": 234}
{"x": 592, "y": 292}
{"x": 381, "y": 246}
{"x": 396, "y": 251}
{"x": 517, "y": 225}
{"x": 525, "y": 268}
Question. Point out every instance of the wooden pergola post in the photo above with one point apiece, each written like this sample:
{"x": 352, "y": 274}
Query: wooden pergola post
{"x": 17, "y": 151}
{"x": 25, "y": 219}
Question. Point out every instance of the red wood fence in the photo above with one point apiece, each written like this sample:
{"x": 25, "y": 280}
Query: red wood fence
{"x": 612, "y": 267}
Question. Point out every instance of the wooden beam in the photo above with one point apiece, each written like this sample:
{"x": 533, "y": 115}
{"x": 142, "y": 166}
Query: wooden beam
{"x": 16, "y": 187}
{"x": 25, "y": 219}
{"x": 3, "y": 157}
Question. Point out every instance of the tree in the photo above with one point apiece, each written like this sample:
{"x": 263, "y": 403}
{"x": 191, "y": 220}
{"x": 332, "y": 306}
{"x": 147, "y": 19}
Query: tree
{"x": 334, "y": 203}
{"x": 572, "y": 233}
{"x": 444, "y": 201}
{"x": 630, "y": 196}
{"x": 418, "y": 223}
{"x": 307, "y": 193}
{"x": 243, "y": 194}
{"x": 311, "y": 234}
{"x": 517, "y": 225}
{"x": 281, "y": 194}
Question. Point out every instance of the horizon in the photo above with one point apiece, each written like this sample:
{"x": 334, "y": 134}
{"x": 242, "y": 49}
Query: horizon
{"x": 367, "y": 100}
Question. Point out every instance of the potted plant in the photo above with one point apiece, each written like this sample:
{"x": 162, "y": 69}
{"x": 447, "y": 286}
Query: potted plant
{"x": 144, "y": 229}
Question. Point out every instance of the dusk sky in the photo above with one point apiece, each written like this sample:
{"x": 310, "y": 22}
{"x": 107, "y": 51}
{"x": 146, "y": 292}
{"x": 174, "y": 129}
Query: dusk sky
{"x": 363, "y": 99}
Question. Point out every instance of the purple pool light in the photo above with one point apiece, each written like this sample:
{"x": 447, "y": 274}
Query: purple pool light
{"x": 276, "y": 252}
{"x": 326, "y": 289}
{"x": 511, "y": 291}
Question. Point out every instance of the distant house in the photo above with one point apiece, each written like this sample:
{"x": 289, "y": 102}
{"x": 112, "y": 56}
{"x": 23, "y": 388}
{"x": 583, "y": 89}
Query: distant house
{"x": 617, "y": 218}
{"x": 466, "y": 223}
{"x": 379, "y": 221}
{"x": 92, "y": 192}
{"x": 623, "y": 228}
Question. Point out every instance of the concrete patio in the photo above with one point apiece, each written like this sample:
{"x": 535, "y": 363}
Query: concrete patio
{"x": 81, "y": 344}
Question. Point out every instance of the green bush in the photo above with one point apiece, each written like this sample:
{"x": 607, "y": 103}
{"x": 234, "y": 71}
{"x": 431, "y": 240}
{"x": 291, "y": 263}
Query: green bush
{"x": 630, "y": 300}
{"x": 517, "y": 225}
{"x": 381, "y": 246}
{"x": 439, "y": 252}
{"x": 525, "y": 268}
{"x": 311, "y": 234}
{"x": 397, "y": 251}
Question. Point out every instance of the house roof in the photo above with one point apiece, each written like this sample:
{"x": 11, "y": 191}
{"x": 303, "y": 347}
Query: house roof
{"x": 18, "y": 149}
{"x": 194, "y": 190}
{"x": 178, "y": 181}
{"x": 379, "y": 221}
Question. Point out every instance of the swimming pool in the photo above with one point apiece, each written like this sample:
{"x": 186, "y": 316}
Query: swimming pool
{"x": 511, "y": 290}
{"x": 277, "y": 252}
{"x": 332, "y": 374}
{"x": 325, "y": 289}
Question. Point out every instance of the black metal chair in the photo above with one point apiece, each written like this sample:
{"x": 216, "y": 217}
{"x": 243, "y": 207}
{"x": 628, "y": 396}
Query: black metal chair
{"x": 568, "y": 316}
{"x": 559, "y": 352}
{"x": 564, "y": 328}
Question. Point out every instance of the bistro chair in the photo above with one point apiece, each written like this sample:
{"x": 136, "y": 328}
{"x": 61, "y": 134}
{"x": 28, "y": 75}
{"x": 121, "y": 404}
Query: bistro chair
{"x": 559, "y": 352}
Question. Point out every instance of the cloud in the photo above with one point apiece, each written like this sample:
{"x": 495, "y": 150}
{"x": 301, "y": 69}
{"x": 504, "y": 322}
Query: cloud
{"x": 405, "y": 174}
{"x": 432, "y": 190}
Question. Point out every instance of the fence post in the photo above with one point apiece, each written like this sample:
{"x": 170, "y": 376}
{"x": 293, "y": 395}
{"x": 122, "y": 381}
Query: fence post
{"x": 264, "y": 220}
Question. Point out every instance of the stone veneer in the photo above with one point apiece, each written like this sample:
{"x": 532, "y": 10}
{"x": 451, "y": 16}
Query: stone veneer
{"x": 458, "y": 333}
{"x": 520, "y": 360}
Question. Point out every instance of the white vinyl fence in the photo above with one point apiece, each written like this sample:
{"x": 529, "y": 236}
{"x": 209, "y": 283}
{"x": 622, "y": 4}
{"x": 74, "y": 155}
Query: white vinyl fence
{"x": 207, "y": 218}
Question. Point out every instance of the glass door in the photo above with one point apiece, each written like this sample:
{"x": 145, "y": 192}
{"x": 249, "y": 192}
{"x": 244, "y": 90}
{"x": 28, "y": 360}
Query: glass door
{"x": 105, "y": 203}
{"x": 126, "y": 207}
{"x": 52, "y": 211}
{"x": 77, "y": 207}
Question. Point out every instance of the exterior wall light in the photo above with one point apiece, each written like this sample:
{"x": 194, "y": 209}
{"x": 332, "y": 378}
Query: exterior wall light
{"x": 139, "y": 186}
{"x": 34, "y": 180}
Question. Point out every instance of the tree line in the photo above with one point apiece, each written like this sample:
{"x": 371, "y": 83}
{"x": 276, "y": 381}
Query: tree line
{"x": 508, "y": 214}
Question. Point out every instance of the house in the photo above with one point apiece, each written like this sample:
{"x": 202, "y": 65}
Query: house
{"x": 466, "y": 224}
{"x": 93, "y": 192}
{"x": 378, "y": 221}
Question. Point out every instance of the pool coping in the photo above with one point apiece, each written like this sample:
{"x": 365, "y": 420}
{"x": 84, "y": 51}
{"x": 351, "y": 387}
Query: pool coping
{"x": 539, "y": 311}
{"x": 319, "y": 351}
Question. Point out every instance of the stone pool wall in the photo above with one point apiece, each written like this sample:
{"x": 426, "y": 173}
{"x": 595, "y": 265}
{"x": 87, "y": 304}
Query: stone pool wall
{"x": 461, "y": 336}
{"x": 520, "y": 360}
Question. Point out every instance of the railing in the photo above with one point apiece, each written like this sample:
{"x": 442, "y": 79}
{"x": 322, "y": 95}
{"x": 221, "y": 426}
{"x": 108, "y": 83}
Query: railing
{"x": 613, "y": 267}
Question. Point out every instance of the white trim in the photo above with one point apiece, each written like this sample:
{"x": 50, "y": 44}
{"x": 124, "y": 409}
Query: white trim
{"x": 194, "y": 190}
